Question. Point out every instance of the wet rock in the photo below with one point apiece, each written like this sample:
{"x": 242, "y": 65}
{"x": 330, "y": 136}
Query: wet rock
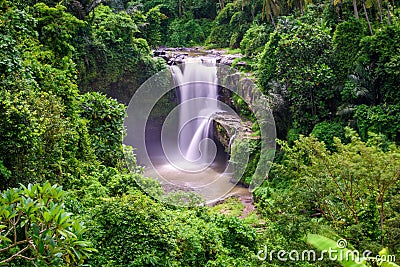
{"x": 159, "y": 53}
{"x": 177, "y": 55}
{"x": 229, "y": 126}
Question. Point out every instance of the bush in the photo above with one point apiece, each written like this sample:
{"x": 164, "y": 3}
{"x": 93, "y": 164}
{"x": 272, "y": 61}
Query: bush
{"x": 229, "y": 27}
{"x": 383, "y": 119}
{"x": 111, "y": 58}
{"x": 152, "y": 31}
{"x": 134, "y": 230}
{"x": 326, "y": 131}
{"x": 241, "y": 148}
{"x": 36, "y": 229}
{"x": 346, "y": 43}
{"x": 254, "y": 40}
{"x": 105, "y": 118}
{"x": 298, "y": 64}
{"x": 352, "y": 190}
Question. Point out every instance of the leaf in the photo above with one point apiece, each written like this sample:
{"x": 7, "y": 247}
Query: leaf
{"x": 61, "y": 232}
{"x": 66, "y": 234}
{"x": 46, "y": 216}
{"x": 389, "y": 264}
{"x": 326, "y": 244}
{"x": 41, "y": 247}
{"x": 384, "y": 251}
{"x": 35, "y": 230}
{"x": 77, "y": 254}
{"x": 3, "y": 238}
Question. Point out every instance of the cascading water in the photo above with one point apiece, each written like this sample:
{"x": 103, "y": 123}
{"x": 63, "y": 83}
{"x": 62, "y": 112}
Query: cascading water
{"x": 180, "y": 151}
{"x": 194, "y": 132}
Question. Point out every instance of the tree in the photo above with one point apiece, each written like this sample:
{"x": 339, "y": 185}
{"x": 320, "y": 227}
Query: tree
{"x": 346, "y": 43}
{"x": 229, "y": 27}
{"x": 379, "y": 57}
{"x": 380, "y": 119}
{"x": 56, "y": 29}
{"x": 298, "y": 58}
{"x": 105, "y": 125}
{"x": 152, "y": 235}
{"x": 152, "y": 31}
{"x": 272, "y": 8}
{"x": 42, "y": 136}
{"x": 353, "y": 189}
{"x": 254, "y": 40}
{"x": 355, "y": 9}
{"x": 111, "y": 57}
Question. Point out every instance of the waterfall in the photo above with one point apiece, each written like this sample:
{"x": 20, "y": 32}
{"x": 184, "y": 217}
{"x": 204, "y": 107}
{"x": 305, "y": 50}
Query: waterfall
{"x": 197, "y": 80}
{"x": 179, "y": 151}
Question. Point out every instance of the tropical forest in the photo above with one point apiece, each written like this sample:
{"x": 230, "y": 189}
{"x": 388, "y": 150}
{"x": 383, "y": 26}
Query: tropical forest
{"x": 211, "y": 133}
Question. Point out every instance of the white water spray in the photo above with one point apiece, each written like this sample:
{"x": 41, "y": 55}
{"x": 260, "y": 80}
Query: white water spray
{"x": 196, "y": 81}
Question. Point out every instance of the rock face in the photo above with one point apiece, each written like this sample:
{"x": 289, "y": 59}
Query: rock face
{"x": 228, "y": 127}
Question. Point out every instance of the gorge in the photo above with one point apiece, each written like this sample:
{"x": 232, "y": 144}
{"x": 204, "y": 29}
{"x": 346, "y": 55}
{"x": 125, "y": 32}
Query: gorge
{"x": 190, "y": 153}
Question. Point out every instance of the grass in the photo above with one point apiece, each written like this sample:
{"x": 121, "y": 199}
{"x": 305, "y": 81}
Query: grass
{"x": 231, "y": 207}
{"x": 234, "y": 207}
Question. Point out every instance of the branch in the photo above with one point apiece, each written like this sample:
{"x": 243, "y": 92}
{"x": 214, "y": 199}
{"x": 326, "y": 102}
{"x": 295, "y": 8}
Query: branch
{"x": 27, "y": 258}
{"x": 93, "y": 5}
{"x": 16, "y": 255}
{"x": 338, "y": 186}
{"x": 13, "y": 245}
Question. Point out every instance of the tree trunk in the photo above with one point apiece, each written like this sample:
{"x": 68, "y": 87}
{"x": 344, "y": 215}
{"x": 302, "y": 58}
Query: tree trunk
{"x": 272, "y": 19}
{"x": 380, "y": 9}
{"x": 366, "y": 17}
{"x": 179, "y": 8}
{"x": 301, "y": 7}
{"x": 266, "y": 10}
{"x": 339, "y": 10}
{"x": 355, "y": 8}
{"x": 222, "y": 4}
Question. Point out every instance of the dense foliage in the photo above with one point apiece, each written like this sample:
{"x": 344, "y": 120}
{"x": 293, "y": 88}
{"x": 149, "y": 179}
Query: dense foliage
{"x": 151, "y": 235}
{"x": 331, "y": 71}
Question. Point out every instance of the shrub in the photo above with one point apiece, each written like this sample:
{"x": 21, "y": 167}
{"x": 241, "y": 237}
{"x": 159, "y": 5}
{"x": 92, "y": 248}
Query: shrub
{"x": 254, "y": 40}
{"x": 229, "y": 27}
{"x": 105, "y": 125}
{"x": 326, "y": 131}
{"x": 36, "y": 229}
{"x": 183, "y": 32}
{"x": 134, "y": 230}
{"x": 383, "y": 119}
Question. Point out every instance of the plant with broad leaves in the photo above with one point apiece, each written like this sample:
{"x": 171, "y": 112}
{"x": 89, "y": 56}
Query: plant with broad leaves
{"x": 35, "y": 228}
{"x": 349, "y": 258}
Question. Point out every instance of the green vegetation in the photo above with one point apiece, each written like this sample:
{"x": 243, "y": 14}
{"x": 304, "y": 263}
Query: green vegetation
{"x": 36, "y": 228}
{"x": 331, "y": 71}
